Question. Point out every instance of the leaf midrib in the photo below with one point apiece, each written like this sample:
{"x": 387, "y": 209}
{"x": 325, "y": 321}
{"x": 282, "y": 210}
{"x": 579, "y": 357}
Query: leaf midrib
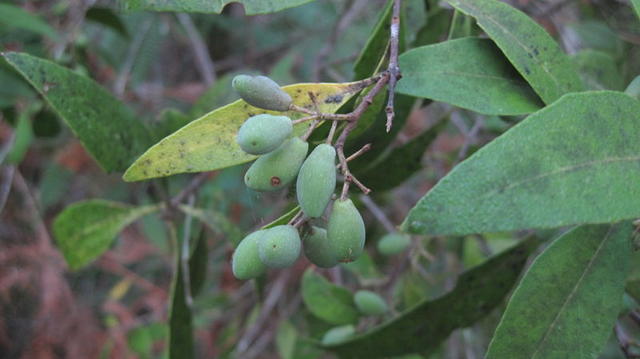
{"x": 573, "y": 292}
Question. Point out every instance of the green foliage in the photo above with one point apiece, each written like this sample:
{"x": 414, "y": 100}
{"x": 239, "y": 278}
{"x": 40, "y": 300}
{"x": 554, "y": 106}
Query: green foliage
{"x": 264, "y": 133}
{"x": 578, "y": 277}
{"x": 14, "y": 17}
{"x": 277, "y": 169}
{"x": 527, "y": 45}
{"x": 251, "y": 7}
{"x": 180, "y": 319}
{"x": 317, "y": 180}
{"x": 84, "y": 230}
{"x": 104, "y": 125}
{"x": 599, "y": 70}
{"x": 280, "y": 246}
{"x": 636, "y": 6}
{"x": 469, "y": 73}
{"x": 512, "y": 182}
{"x": 346, "y": 231}
{"x": 477, "y": 292}
{"x": 331, "y": 303}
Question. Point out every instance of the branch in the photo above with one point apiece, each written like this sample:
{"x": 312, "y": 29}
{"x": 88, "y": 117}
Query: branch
{"x": 193, "y": 186}
{"x": 393, "y": 69}
{"x": 203, "y": 60}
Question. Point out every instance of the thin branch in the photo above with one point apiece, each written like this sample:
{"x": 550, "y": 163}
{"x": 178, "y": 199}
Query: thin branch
{"x": 393, "y": 69}
{"x": 132, "y": 52}
{"x": 185, "y": 253}
{"x": 193, "y": 186}
{"x": 6, "y": 178}
{"x": 203, "y": 60}
{"x": 359, "y": 152}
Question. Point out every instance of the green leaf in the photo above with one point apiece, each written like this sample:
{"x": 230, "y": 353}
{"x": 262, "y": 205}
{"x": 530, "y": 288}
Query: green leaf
{"x": 636, "y": 6}
{"x": 477, "y": 292}
{"x": 435, "y": 28}
{"x": 251, "y": 7}
{"x": 215, "y": 221}
{"x": 528, "y": 46}
{"x": 15, "y": 17}
{"x": 180, "y": 319}
{"x": 402, "y": 162}
{"x": 84, "y": 230}
{"x": 23, "y": 137}
{"x": 198, "y": 264}
{"x": 104, "y": 125}
{"x": 284, "y": 219}
{"x": 572, "y": 162}
{"x": 209, "y": 143}
{"x": 469, "y": 73}
{"x": 598, "y": 70}
{"x": 569, "y": 299}
{"x": 329, "y": 302}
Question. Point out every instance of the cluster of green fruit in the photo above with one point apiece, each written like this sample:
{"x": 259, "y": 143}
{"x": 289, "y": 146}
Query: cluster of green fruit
{"x": 368, "y": 303}
{"x": 282, "y": 159}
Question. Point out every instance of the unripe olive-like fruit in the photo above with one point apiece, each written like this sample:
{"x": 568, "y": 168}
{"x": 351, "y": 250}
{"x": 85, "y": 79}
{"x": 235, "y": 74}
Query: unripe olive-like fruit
{"x": 393, "y": 243}
{"x": 261, "y": 134}
{"x": 345, "y": 231}
{"x": 280, "y": 246}
{"x": 369, "y": 303}
{"x": 338, "y": 335}
{"x": 317, "y": 180}
{"x": 261, "y": 92}
{"x": 277, "y": 169}
{"x": 317, "y": 248}
{"x": 246, "y": 263}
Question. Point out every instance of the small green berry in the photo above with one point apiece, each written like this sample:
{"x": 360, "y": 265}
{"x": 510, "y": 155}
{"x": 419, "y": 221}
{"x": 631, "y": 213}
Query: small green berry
{"x": 261, "y": 92}
{"x": 369, "y": 303}
{"x": 338, "y": 335}
{"x": 346, "y": 231}
{"x": 277, "y": 169}
{"x": 393, "y": 243}
{"x": 280, "y": 246}
{"x": 264, "y": 133}
{"x": 317, "y": 248}
{"x": 245, "y": 262}
{"x": 317, "y": 180}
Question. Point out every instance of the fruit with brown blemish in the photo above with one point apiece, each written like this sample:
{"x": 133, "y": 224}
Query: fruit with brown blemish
{"x": 261, "y": 92}
{"x": 317, "y": 248}
{"x": 261, "y": 134}
{"x": 278, "y": 168}
{"x": 317, "y": 180}
{"x": 246, "y": 263}
{"x": 280, "y": 246}
{"x": 345, "y": 231}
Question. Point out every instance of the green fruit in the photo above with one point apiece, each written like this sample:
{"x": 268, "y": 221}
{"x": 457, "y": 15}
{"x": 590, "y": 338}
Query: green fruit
{"x": 245, "y": 262}
{"x": 317, "y": 248}
{"x": 317, "y": 180}
{"x": 369, "y": 303}
{"x": 263, "y": 133}
{"x": 277, "y": 169}
{"x": 338, "y": 335}
{"x": 345, "y": 231}
{"x": 280, "y": 246}
{"x": 261, "y": 92}
{"x": 393, "y": 243}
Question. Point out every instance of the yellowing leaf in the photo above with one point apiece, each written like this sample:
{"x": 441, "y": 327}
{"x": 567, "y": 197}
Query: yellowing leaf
{"x": 209, "y": 143}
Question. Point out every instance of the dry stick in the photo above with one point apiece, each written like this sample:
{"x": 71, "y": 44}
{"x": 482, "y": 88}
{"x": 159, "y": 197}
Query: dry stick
{"x": 378, "y": 213}
{"x": 332, "y": 132}
{"x": 203, "y": 60}
{"x": 132, "y": 52}
{"x": 359, "y": 152}
{"x": 195, "y": 184}
{"x": 393, "y": 69}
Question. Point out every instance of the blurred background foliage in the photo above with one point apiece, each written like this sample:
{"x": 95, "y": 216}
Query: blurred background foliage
{"x": 117, "y": 307}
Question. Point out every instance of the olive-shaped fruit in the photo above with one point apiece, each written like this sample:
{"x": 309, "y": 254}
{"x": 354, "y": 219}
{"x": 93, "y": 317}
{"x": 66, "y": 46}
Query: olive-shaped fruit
{"x": 277, "y": 169}
{"x": 246, "y": 263}
{"x": 280, "y": 246}
{"x": 261, "y": 92}
{"x": 369, "y": 303}
{"x": 345, "y": 231}
{"x": 317, "y": 180}
{"x": 393, "y": 243}
{"x": 261, "y": 134}
{"x": 338, "y": 335}
{"x": 317, "y": 248}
